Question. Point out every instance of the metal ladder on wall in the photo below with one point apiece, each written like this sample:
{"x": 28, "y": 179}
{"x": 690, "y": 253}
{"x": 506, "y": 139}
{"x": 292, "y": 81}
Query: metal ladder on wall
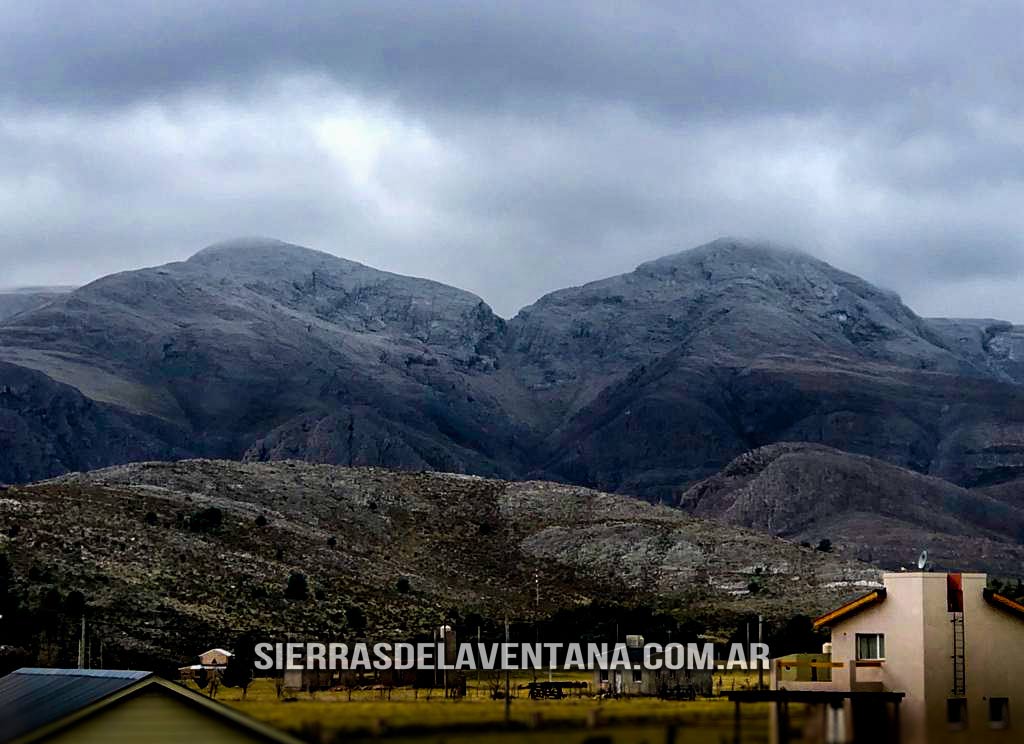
{"x": 959, "y": 672}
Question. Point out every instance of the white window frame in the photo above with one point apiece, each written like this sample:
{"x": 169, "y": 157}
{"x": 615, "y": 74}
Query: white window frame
{"x": 879, "y": 652}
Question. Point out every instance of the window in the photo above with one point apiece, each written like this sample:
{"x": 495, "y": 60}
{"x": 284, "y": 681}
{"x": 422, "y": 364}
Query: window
{"x": 638, "y": 676}
{"x": 956, "y": 713}
{"x": 999, "y": 713}
{"x": 870, "y": 646}
{"x": 604, "y": 675}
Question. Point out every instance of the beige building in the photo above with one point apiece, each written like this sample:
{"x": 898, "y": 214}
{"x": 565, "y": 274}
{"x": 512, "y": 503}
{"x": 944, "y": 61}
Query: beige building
{"x": 938, "y": 656}
{"x": 215, "y": 660}
{"x": 215, "y": 657}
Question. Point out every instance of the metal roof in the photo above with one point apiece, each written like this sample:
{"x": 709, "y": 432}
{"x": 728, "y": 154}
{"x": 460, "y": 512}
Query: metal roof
{"x": 217, "y": 650}
{"x": 34, "y": 703}
{"x": 30, "y": 698}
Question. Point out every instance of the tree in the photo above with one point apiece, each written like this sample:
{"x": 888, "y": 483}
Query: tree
{"x": 152, "y": 519}
{"x": 403, "y": 586}
{"x": 239, "y": 671}
{"x": 355, "y": 618}
{"x": 261, "y": 521}
{"x": 214, "y": 683}
{"x": 74, "y": 605}
{"x": 298, "y": 587}
{"x": 825, "y": 546}
{"x": 16, "y": 626}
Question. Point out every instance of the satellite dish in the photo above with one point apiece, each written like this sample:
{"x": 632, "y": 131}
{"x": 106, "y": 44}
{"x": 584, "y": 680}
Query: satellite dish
{"x": 922, "y": 560}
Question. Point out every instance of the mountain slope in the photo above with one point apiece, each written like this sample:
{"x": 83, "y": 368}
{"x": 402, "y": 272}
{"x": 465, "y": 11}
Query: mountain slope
{"x": 641, "y": 383}
{"x": 24, "y": 299}
{"x": 660, "y": 377}
{"x": 140, "y": 543}
{"x": 47, "y": 426}
{"x": 251, "y": 345}
{"x": 868, "y": 509}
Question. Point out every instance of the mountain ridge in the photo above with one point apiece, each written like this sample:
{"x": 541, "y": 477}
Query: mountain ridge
{"x": 644, "y": 383}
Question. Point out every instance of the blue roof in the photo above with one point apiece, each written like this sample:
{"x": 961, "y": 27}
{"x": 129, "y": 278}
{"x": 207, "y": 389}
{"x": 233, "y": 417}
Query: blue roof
{"x": 30, "y": 698}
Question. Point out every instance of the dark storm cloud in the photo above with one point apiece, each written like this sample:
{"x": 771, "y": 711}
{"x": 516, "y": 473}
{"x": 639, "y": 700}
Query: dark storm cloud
{"x": 512, "y": 148}
{"x": 683, "y": 59}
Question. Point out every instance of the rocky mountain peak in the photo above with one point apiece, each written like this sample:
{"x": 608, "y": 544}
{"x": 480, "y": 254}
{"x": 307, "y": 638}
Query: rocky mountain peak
{"x": 268, "y": 258}
{"x": 745, "y": 252}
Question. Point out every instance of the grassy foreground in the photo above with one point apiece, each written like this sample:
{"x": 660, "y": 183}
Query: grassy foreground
{"x": 413, "y": 717}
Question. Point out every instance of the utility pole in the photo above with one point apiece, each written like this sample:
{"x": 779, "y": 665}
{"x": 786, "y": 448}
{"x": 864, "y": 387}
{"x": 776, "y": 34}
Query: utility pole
{"x": 760, "y": 666}
{"x": 508, "y": 681}
{"x": 536, "y": 613}
{"x": 81, "y": 645}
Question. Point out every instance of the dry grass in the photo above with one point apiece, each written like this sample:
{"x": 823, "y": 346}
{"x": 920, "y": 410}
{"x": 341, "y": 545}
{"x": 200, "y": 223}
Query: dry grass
{"x": 411, "y": 716}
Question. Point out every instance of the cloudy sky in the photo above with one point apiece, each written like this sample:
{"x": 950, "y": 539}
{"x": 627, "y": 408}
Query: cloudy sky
{"x": 512, "y": 148}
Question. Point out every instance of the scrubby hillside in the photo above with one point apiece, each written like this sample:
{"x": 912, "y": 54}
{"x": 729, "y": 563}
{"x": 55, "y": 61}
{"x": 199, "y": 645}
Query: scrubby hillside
{"x": 166, "y": 554}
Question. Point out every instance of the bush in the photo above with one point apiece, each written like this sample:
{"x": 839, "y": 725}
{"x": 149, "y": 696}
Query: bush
{"x": 206, "y": 520}
{"x": 261, "y": 521}
{"x": 825, "y": 546}
{"x": 151, "y": 519}
{"x": 403, "y": 586}
{"x": 298, "y": 587}
{"x": 332, "y": 541}
{"x": 355, "y": 618}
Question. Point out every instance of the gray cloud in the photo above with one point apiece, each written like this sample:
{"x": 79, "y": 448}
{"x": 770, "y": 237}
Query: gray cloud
{"x": 515, "y": 148}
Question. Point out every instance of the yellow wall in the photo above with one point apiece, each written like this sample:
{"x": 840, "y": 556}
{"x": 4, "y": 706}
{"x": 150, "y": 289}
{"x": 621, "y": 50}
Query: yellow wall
{"x": 152, "y": 717}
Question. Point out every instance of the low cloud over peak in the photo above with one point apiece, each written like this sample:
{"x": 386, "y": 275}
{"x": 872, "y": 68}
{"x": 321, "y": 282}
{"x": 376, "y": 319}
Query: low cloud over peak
{"x": 514, "y": 149}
